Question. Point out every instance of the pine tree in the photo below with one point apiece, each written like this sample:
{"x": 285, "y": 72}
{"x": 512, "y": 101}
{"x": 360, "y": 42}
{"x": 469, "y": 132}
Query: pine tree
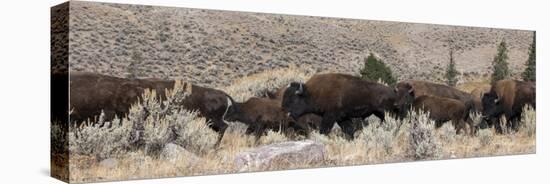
{"x": 451, "y": 73}
{"x": 374, "y": 69}
{"x": 530, "y": 71}
{"x": 500, "y": 63}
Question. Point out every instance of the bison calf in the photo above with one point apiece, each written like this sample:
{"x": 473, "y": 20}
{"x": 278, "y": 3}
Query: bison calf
{"x": 261, "y": 114}
{"x": 442, "y": 110}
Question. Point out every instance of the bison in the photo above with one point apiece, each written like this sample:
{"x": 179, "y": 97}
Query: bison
{"x": 443, "y": 109}
{"x": 508, "y": 97}
{"x": 92, "y": 93}
{"x": 312, "y": 120}
{"x": 408, "y": 91}
{"x": 477, "y": 94}
{"x": 338, "y": 98}
{"x": 261, "y": 114}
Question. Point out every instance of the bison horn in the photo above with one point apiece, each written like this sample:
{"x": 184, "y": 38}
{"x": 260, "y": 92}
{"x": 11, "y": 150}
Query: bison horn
{"x": 497, "y": 100}
{"x": 229, "y": 103}
{"x": 300, "y": 90}
{"x": 411, "y": 90}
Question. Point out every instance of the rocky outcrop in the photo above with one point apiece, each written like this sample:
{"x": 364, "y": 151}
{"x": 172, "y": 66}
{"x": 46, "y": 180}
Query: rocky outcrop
{"x": 267, "y": 156}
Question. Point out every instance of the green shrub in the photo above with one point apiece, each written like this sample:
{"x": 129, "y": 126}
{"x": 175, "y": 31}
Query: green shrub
{"x": 374, "y": 69}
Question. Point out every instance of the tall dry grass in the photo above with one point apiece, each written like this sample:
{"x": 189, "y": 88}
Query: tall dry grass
{"x": 135, "y": 142}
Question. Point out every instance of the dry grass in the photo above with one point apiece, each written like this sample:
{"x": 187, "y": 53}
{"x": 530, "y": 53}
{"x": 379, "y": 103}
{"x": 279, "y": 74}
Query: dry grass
{"x": 391, "y": 141}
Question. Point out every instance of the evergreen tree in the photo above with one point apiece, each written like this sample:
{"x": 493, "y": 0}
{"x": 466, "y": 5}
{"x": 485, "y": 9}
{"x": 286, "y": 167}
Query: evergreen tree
{"x": 500, "y": 63}
{"x": 530, "y": 71}
{"x": 374, "y": 69}
{"x": 451, "y": 73}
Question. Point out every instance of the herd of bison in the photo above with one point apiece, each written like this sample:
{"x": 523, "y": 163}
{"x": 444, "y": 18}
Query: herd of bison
{"x": 317, "y": 104}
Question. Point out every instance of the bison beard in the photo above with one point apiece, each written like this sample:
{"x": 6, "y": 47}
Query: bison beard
{"x": 338, "y": 98}
{"x": 508, "y": 97}
{"x": 91, "y": 93}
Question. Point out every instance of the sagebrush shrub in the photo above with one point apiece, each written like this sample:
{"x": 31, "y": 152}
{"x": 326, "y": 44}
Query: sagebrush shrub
{"x": 485, "y": 136}
{"x": 150, "y": 125}
{"x": 422, "y": 142}
{"x": 528, "y": 120}
{"x": 382, "y": 135}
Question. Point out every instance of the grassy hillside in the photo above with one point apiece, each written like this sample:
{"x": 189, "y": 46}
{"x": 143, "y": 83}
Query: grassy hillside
{"x": 215, "y": 47}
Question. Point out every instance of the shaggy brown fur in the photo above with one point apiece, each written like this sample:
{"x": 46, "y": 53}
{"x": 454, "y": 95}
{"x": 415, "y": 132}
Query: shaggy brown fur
{"x": 338, "y": 98}
{"x": 445, "y": 109}
{"x": 507, "y": 97}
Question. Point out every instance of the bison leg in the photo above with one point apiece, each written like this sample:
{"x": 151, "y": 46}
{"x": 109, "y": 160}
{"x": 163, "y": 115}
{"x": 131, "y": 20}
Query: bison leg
{"x": 513, "y": 122}
{"x": 380, "y": 115}
{"x": 348, "y": 128}
{"x": 219, "y": 126}
{"x": 327, "y": 123}
{"x": 300, "y": 128}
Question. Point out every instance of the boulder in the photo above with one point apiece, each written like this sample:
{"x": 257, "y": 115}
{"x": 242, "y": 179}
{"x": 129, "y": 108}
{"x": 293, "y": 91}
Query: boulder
{"x": 280, "y": 154}
{"x": 108, "y": 163}
{"x": 173, "y": 152}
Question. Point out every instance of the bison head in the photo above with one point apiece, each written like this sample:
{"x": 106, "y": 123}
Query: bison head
{"x": 296, "y": 100}
{"x": 405, "y": 97}
{"x": 233, "y": 111}
{"x": 492, "y": 105}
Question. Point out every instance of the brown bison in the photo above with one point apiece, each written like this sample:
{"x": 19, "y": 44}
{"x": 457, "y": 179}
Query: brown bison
{"x": 338, "y": 98}
{"x": 508, "y": 97}
{"x": 91, "y": 93}
{"x": 477, "y": 94}
{"x": 408, "y": 91}
{"x": 312, "y": 120}
{"x": 443, "y": 109}
{"x": 261, "y": 114}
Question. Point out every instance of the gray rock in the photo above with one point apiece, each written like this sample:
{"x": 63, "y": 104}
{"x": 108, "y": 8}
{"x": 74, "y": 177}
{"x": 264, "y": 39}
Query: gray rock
{"x": 109, "y": 163}
{"x": 173, "y": 152}
{"x": 281, "y": 153}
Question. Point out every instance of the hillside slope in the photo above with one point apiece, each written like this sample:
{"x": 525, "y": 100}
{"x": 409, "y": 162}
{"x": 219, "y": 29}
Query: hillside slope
{"x": 212, "y": 47}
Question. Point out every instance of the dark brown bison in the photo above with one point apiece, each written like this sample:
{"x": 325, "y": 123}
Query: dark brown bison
{"x": 443, "y": 109}
{"x": 408, "y": 91}
{"x": 91, "y": 93}
{"x": 477, "y": 94}
{"x": 508, "y": 97}
{"x": 312, "y": 120}
{"x": 261, "y": 114}
{"x": 338, "y": 98}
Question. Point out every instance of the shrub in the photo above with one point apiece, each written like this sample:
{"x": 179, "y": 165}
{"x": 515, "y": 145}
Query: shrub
{"x": 448, "y": 132}
{"x": 375, "y": 69}
{"x": 101, "y": 142}
{"x": 528, "y": 118}
{"x": 59, "y": 140}
{"x": 150, "y": 125}
{"x": 485, "y": 136}
{"x": 378, "y": 135}
{"x": 422, "y": 141}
